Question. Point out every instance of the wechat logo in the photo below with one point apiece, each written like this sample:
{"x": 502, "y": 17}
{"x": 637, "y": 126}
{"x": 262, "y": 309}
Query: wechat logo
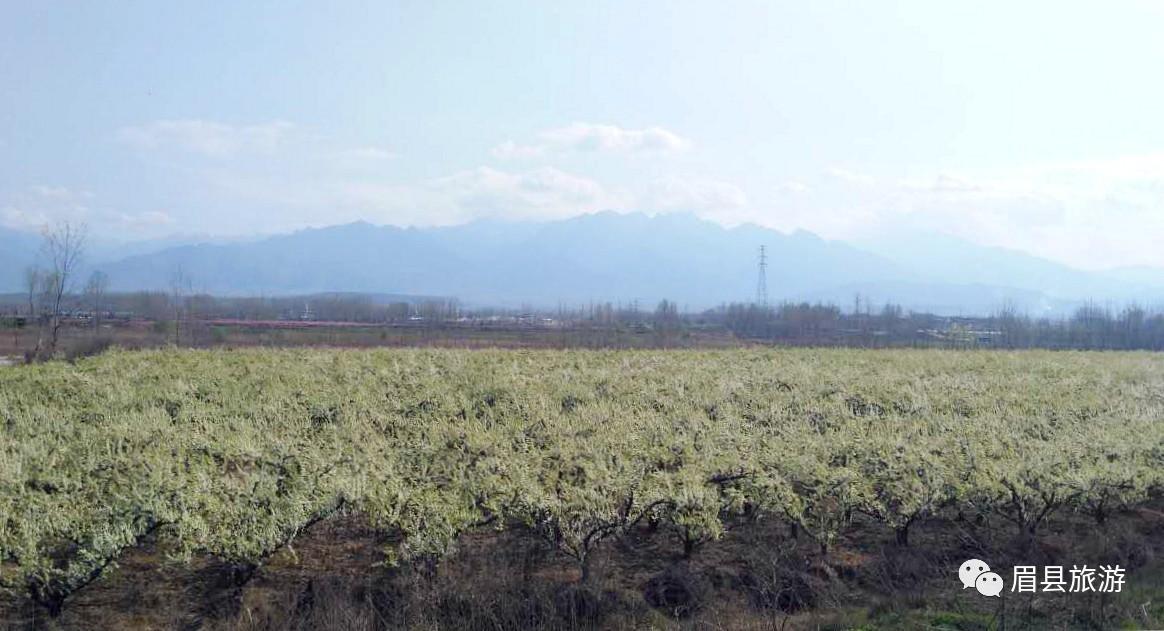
{"x": 975, "y": 573}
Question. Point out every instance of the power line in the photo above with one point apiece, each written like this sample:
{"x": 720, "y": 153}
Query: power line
{"x": 762, "y": 281}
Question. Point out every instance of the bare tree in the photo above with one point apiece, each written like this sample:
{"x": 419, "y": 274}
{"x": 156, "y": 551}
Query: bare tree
{"x": 180, "y": 288}
{"x": 95, "y": 289}
{"x": 63, "y": 247}
{"x": 34, "y": 278}
{"x": 33, "y": 284}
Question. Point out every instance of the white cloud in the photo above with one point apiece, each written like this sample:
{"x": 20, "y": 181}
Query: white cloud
{"x": 23, "y": 219}
{"x": 1119, "y": 168}
{"x": 510, "y": 149}
{"x": 542, "y": 193}
{"x": 311, "y": 178}
{"x": 1072, "y": 181}
{"x": 851, "y": 177}
{"x": 61, "y": 193}
{"x": 374, "y": 154}
{"x": 47, "y": 205}
{"x": 101, "y": 221}
{"x": 693, "y": 194}
{"x": 207, "y": 138}
{"x": 944, "y": 183}
{"x": 482, "y": 192}
{"x": 794, "y": 187}
{"x": 42, "y": 205}
{"x": 1053, "y": 209}
{"x": 1088, "y": 213}
{"x": 148, "y": 219}
{"x": 593, "y": 137}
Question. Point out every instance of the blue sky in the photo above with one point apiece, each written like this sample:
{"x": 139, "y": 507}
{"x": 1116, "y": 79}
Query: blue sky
{"x": 1031, "y": 125}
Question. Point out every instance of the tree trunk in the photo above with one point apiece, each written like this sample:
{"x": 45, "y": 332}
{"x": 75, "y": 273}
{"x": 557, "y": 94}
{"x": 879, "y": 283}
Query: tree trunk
{"x": 56, "y": 333}
{"x": 901, "y": 534}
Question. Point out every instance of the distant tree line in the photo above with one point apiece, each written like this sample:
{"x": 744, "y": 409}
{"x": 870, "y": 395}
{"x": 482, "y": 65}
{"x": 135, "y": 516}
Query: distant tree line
{"x": 181, "y": 303}
{"x": 53, "y": 295}
{"x": 1090, "y": 327}
{"x": 49, "y": 303}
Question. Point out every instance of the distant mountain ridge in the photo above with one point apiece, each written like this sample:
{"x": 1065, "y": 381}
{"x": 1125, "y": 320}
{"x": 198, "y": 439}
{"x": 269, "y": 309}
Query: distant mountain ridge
{"x": 624, "y": 258}
{"x": 599, "y": 257}
{"x": 18, "y": 250}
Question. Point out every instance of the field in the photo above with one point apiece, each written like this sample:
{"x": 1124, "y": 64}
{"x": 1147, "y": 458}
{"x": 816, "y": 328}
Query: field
{"x": 438, "y": 488}
{"x": 79, "y": 340}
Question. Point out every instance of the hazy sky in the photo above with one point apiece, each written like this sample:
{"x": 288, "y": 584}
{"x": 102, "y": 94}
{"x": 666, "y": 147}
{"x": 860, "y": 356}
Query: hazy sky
{"x": 1033, "y": 125}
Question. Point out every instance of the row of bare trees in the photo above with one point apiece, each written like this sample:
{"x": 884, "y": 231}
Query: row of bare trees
{"x": 51, "y": 286}
{"x": 1090, "y": 326}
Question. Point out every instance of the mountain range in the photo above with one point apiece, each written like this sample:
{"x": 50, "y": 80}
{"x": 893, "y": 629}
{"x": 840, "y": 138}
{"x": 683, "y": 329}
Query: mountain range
{"x": 611, "y": 257}
{"x": 17, "y": 251}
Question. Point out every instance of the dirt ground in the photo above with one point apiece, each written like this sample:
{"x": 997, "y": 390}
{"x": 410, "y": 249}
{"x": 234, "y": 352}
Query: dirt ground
{"x": 757, "y": 577}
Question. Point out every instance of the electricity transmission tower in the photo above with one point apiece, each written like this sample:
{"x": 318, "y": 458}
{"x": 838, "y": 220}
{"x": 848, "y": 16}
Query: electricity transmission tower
{"x": 762, "y": 280}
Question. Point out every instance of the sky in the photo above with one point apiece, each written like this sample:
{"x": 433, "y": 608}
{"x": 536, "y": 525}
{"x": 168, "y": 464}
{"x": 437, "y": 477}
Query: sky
{"x": 1037, "y": 126}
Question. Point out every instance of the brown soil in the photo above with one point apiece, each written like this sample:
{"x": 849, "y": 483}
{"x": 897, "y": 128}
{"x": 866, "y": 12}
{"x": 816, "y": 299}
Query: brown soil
{"x": 756, "y": 577}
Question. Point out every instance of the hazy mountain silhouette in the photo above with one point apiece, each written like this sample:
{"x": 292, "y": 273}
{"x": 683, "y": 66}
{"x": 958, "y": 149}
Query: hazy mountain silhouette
{"x": 604, "y": 256}
{"x": 619, "y": 258}
{"x": 17, "y": 251}
{"x": 946, "y": 259}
